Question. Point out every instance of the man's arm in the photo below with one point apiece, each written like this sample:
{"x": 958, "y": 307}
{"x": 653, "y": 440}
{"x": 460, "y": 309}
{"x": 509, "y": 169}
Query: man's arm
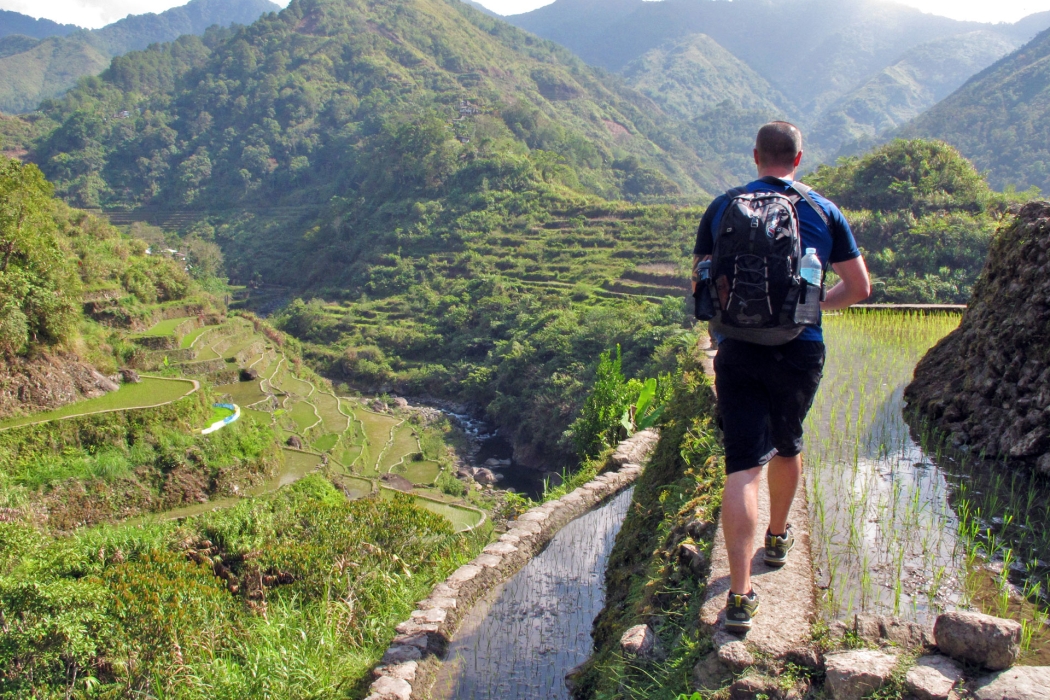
{"x": 854, "y": 285}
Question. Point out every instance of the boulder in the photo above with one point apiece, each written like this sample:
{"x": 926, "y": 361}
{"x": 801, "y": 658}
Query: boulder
{"x": 639, "y": 641}
{"x": 103, "y": 382}
{"x": 974, "y": 638}
{"x": 129, "y": 376}
{"x": 294, "y": 442}
{"x": 249, "y": 375}
{"x": 396, "y": 481}
{"x": 389, "y": 688}
{"x": 853, "y": 674}
{"x": 485, "y": 477}
{"x": 884, "y": 629}
{"x": 933, "y": 677}
{"x": 1018, "y": 683}
{"x": 399, "y": 402}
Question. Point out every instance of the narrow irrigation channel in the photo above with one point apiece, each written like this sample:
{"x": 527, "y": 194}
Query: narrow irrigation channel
{"x": 521, "y": 639}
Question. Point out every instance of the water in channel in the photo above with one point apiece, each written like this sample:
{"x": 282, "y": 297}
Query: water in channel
{"x": 520, "y": 641}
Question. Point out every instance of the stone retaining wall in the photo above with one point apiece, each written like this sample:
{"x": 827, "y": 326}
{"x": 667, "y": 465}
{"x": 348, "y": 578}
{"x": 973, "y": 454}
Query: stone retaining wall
{"x": 408, "y": 667}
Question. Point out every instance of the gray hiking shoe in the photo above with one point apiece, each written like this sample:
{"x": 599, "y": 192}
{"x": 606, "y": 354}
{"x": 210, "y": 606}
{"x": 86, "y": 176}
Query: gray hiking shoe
{"x": 778, "y": 546}
{"x": 740, "y": 610}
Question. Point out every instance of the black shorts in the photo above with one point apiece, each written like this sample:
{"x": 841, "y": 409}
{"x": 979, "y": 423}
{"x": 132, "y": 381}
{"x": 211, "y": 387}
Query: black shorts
{"x": 764, "y": 394}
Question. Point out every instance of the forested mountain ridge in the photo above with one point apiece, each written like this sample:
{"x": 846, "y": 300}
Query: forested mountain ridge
{"x": 428, "y": 175}
{"x": 41, "y": 69}
{"x": 16, "y": 23}
{"x": 850, "y": 70}
{"x": 1000, "y": 118}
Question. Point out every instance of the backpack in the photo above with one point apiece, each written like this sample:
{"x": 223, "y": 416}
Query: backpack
{"x": 754, "y": 281}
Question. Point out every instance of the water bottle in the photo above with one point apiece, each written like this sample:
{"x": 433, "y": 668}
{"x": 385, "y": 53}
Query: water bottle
{"x": 705, "y": 308}
{"x": 811, "y": 270}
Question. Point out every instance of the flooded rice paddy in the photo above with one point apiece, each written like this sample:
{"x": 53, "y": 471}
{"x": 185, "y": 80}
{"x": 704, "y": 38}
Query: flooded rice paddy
{"x": 903, "y": 525}
{"x": 521, "y": 640}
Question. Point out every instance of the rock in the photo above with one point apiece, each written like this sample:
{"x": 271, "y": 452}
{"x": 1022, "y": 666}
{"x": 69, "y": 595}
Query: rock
{"x": 103, "y": 382}
{"x": 735, "y": 656}
{"x": 691, "y": 556}
{"x": 389, "y": 688}
{"x": 989, "y": 641}
{"x": 396, "y": 481}
{"x": 491, "y": 462}
{"x": 572, "y": 678}
{"x": 853, "y": 674}
{"x": 405, "y": 671}
{"x": 485, "y": 477}
{"x": 709, "y": 673}
{"x": 1018, "y": 683}
{"x": 983, "y": 384}
{"x": 933, "y": 677}
{"x": 129, "y": 376}
{"x": 698, "y": 528}
{"x": 639, "y": 641}
{"x": 399, "y": 654}
{"x": 806, "y": 657}
{"x": 883, "y": 629}
{"x": 249, "y": 375}
{"x": 294, "y": 442}
{"x": 399, "y": 402}
{"x": 751, "y": 687}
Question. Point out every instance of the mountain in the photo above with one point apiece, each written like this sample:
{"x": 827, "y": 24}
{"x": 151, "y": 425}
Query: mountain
{"x": 17, "y": 23}
{"x": 1000, "y": 119}
{"x": 897, "y": 94}
{"x": 849, "y": 69}
{"x": 49, "y": 67}
{"x": 690, "y": 76}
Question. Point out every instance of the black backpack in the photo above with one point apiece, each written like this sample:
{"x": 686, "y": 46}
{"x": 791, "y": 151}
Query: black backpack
{"x": 754, "y": 282}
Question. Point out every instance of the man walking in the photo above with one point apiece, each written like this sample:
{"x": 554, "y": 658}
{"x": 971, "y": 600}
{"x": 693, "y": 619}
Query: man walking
{"x": 766, "y": 383}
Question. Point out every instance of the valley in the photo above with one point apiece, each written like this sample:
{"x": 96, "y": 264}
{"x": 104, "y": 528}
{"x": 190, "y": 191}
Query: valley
{"x": 348, "y": 350}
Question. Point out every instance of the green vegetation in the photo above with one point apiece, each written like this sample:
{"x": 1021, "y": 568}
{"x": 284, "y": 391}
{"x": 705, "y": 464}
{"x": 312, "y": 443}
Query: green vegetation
{"x": 151, "y": 391}
{"x": 294, "y": 595}
{"x": 999, "y": 119}
{"x": 45, "y": 69}
{"x": 922, "y": 216}
{"x": 646, "y": 582}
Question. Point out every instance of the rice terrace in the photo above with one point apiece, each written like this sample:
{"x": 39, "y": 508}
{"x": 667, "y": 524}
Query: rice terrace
{"x": 453, "y": 350}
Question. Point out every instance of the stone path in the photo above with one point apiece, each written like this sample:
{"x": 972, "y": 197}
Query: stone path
{"x": 787, "y": 606}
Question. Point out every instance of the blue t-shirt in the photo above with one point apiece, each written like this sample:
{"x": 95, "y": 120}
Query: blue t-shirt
{"x": 834, "y": 241}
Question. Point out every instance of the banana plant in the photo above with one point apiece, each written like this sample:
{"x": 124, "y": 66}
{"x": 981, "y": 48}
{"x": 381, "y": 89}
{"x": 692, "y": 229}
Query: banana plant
{"x": 644, "y": 413}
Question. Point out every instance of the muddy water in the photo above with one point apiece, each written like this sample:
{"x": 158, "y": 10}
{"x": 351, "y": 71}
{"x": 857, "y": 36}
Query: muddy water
{"x": 520, "y": 641}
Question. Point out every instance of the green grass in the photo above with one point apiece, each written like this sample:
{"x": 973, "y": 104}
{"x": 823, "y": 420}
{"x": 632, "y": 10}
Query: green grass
{"x": 242, "y": 393}
{"x": 327, "y": 405}
{"x": 420, "y": 473}
{"x": 151, "y": 391}
{"x": 377, "y": 429}
{"x": 219, "y": 413}
{"x": 325, "y": 442}
{"x": 165, "y": 327}
{"x": 303, "y": 415}
{"x": 404, "y": 445}
{"x": 461, "y": 518}
{"x": 190, "y": 338}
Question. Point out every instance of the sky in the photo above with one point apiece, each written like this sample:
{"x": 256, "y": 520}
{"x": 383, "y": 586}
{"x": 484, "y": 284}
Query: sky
{"x": 97, "y": 13}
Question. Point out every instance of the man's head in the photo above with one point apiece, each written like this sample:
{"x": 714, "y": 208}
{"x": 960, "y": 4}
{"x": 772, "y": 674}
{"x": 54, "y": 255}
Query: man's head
{"x": 778, "y": 148}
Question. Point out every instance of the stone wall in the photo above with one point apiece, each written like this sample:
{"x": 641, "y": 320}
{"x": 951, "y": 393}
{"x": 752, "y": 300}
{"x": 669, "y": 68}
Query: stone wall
{"x": 408, "y": 667}
{"x": 987, "y": 384}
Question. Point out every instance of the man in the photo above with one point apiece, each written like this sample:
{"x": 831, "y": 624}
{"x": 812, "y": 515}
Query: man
{"x": 764, "y": 392}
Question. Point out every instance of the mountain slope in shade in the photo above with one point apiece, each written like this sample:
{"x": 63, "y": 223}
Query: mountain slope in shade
{"x": 899, "y": 93}
{"x": 17, "y": 23}
{"x": 1000, "y": 119}
{"x": 50, "y": 67}
{"x": 693, "y": 75}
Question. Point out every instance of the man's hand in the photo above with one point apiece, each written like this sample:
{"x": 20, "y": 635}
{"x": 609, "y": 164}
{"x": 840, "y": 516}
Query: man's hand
{"x": 854, "y": 285}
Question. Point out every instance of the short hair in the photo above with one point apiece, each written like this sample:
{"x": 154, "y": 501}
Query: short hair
{"x": 778, "y": 144}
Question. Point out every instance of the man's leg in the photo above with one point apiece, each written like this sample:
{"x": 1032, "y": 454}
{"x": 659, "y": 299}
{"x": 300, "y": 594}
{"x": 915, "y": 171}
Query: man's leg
{"x": 783, "y": 475}
{"x": 739, "y": 522}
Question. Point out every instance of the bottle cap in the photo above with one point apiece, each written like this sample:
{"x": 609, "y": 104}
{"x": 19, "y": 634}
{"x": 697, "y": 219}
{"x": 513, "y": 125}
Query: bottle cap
{"x": 811, "y": 251}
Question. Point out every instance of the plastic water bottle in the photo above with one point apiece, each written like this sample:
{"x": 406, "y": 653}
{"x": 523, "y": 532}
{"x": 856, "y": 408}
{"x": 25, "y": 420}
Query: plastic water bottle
{"x": 705, "y": 308}
{"x": 810, "y": 269}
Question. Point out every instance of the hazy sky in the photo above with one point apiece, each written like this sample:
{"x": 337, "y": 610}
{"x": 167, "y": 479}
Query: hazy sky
{"x": 96, "y": 13}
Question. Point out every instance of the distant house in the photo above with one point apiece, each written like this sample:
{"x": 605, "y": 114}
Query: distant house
{"x": 466, "y": 109}
{"x": 123, "y": 114}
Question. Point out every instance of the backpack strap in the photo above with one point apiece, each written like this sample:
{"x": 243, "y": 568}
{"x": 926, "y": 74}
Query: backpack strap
{"x": 806, "y": 192}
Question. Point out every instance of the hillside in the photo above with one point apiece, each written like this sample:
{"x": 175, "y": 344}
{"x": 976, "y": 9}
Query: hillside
{"x": 690, "y": 76}
{"x": 1000, "y": 118}
{"x": 15, "y": 23}
{"x": 897, "y": 94}
{"x": 49, "y": 67}
{"x": 856, "y": 68}
{"x": 922, "y": 215}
